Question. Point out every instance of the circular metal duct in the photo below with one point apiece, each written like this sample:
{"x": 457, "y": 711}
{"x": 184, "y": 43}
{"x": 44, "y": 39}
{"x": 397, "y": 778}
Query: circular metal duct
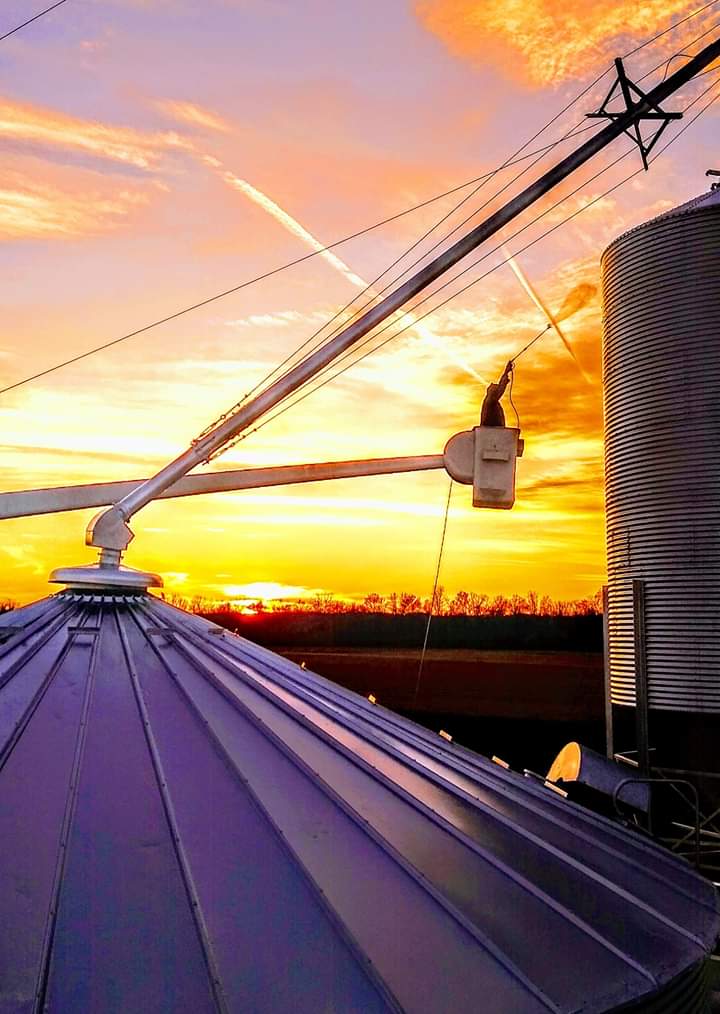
{"x": 661, "y": 359}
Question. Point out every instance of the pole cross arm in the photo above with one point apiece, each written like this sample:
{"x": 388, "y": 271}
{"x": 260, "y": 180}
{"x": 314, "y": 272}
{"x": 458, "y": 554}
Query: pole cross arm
{"x": 647, "y": 109}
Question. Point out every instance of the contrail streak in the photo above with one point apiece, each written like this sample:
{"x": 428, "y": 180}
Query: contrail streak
{"x": 292, "y": 225}
{"x": 298, "y": 230}
{"x": 538, "y": 301}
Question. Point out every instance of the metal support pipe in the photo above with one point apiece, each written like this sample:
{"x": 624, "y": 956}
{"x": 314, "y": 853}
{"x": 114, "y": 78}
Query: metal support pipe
{"x": 111, "y": 532}
{"x": 31, "y": 502}
{"x": 641, "y": 678}
{"x": 609, "y": 738}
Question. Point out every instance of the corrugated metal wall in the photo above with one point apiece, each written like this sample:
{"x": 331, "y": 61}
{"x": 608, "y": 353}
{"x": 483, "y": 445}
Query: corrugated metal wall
{"x": 661, "y": 295}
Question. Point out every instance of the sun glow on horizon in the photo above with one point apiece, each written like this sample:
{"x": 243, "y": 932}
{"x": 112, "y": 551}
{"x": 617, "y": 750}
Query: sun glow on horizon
{"x": 118, "y": 207}
{"x": 266, "y": 590}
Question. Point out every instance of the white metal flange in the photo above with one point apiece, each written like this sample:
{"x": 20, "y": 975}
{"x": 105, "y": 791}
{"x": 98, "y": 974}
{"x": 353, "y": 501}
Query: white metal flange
{"x": 95, "y": 576}
{"x": 459, "y": 457}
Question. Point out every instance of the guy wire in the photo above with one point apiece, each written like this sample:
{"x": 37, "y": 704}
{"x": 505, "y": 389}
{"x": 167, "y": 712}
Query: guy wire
{"x": 434, "y": 593}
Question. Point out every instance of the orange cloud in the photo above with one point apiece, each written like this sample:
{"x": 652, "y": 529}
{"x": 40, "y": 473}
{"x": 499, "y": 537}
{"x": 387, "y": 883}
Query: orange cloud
{"x": 554, "y": 42}
{"x": 50, "y": 128}
{"x": 192, "y": 114}
{"x": 44, "y": 193}
{"x": 32, "y": 210}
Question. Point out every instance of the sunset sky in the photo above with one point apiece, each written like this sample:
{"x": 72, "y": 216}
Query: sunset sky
{"x": 156, "y": 152}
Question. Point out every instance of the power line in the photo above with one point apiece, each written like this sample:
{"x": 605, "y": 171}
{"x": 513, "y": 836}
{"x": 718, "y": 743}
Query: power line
{"x": 577, "y": 129}
{"x": 299, "y": 260}
{"x": 530, "y": 344}
{"x": 443, "y": 239}
{"x": 311, "y": 389}
{"x": 396, "y": 278}
{"x": 518, "y": 232}
{"x": 666, "y": 63}
{"x": 315, "y": 340}
{"x": 30, "y": 20}
{"x": 323, "y": 380}
{"x": 261, "y": 277}
{"x": 672, "y": 28}
{"x": 574, "y": 131}
{"x": 347, "y": 355}
{"x": 434, "y": 593}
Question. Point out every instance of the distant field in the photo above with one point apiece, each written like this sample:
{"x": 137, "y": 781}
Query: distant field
{"x": 550, "y": 686}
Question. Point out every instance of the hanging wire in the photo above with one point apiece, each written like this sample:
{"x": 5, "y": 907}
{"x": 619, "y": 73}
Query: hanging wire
{"x": 578, "y": 129}
{"x": 320, "y": 379}
{"x": 269, "y": 274}
{"x": 672, "y": 28}
{"x": 304, "y": 392}
{"x": 339, "y": 318}
{"x": 29, "y": 21}
{"x": 666, "y": 63}
{"x": 512, "y": 363}
{"x": 530, "y": 344}
{"x": 480, "y": 179}
{"x": 345, "y": 361}
{"x": 244, "y": 285}
{"x": 510, "y": 396}
{"x": 434, "y": 593}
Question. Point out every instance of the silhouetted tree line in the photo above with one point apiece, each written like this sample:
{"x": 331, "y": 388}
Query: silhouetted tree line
{"x": 462, "y": 603}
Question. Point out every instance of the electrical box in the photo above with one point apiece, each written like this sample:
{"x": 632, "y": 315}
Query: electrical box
{"x": 484, "y": 458}
{"x": 496, "y": 451}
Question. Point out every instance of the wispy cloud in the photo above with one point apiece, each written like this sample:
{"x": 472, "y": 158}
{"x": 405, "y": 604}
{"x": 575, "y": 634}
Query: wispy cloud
{"x": 32, "y": 210}
{"x": 192, "y": 114}
{"x": 287, "y": 221}
{"x": 49, "y": 128}
{"x": 280, "y": 318}
{"x": 48, "y": 191}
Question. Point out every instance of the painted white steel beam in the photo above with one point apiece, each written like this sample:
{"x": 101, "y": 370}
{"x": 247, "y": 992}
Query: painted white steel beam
{"x": 30, "y": 502}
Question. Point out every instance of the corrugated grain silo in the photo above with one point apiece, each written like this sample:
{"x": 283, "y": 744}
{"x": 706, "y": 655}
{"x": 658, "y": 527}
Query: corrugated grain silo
{"x": 661, "y": 294}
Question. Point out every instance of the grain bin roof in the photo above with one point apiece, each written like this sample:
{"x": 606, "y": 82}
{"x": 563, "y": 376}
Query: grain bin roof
{"x": 704, "y": 203}
{"x": 191, "y": 823}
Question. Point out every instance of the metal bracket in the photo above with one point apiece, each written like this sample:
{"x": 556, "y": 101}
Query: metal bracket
{"x": 109, "y": 532}
{"x": 484, "y": 458}
{"x": 627, "y": 88}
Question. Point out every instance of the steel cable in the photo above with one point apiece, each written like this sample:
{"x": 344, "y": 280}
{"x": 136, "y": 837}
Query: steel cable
{"x": 577, "y": 129}
{"x": 319, "y": 338}
{"x": 258, "y": 278}
{"x": 478, "y": 180}
{"x": 304, "y": 393}
{"x": 29, "y": 21}
{"x": 434, "y": 593}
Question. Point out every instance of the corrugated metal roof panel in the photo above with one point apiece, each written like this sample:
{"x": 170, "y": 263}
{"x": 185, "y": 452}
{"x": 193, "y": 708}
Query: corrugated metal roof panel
{"x": 198, "y": 824}
{"x": 661, "y": 360}
{"x": 709, "y": 201}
